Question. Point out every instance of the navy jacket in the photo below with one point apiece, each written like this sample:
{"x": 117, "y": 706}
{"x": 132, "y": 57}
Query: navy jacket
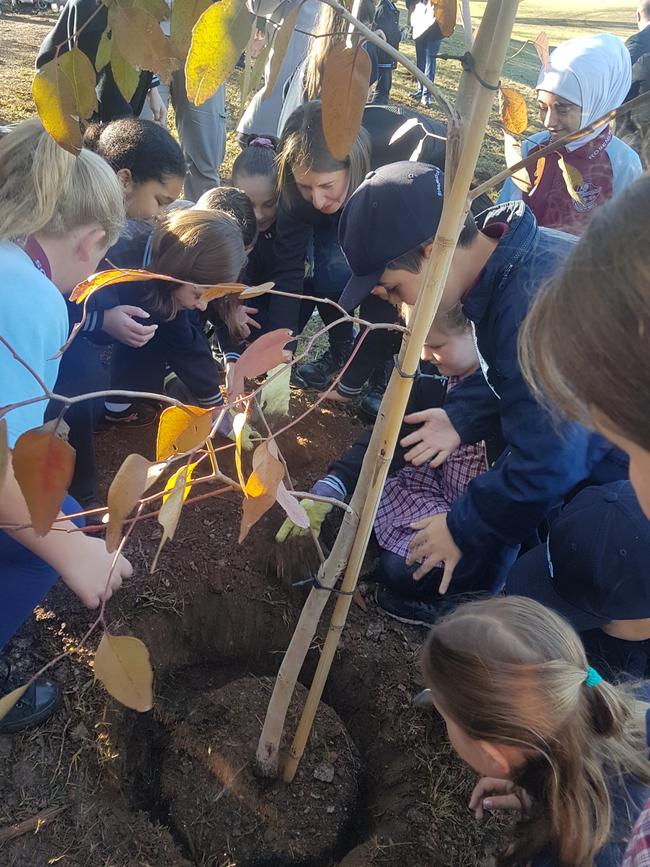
{"x": 544, "y": 460}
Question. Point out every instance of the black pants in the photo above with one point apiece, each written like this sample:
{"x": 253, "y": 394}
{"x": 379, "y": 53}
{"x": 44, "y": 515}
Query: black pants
{"x": 383, "y": 86}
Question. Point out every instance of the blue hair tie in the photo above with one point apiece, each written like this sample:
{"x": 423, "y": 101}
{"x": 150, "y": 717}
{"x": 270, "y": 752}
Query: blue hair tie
{"x": 592, "y": 679}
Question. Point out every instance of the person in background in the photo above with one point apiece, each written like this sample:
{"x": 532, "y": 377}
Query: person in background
{"x": 586, "y": 77}
{"x": 542, "y": 728}
{"x": 428, "y": 38}
{"x": 386, "y": 21}
{"x": 592, "y": 570}
{"x": 633, "y": 126}
{"x": 58, "y": 216}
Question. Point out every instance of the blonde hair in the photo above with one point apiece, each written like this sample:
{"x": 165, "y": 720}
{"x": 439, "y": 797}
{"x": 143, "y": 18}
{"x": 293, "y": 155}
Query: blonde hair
{"x": 452, "y": 322}
{"x": 200, "y": 247}
{"x": 43, "y": 188}
{"x": 510, "y": 671}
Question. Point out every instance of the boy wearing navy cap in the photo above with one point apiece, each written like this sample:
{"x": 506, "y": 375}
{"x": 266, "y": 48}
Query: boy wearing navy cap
{"x": 501, "y": 259}
{"x": 594, "y": 571}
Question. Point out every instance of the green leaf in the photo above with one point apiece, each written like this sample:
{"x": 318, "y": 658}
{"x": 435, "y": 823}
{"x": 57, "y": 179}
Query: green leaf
{"x": 184, "y": 17}
{"x": 103, "y": 57}
{"x": 141, "y": 41}
{"x": 280, "y": 45}
{"x": 56, "y": 107}
{"x": 218, "y": 39}
{"x": 82, "y": 76}
{"x": 126, "y": 77}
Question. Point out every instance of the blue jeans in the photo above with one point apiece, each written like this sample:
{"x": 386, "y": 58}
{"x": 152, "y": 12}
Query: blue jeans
{"x": 427, "y": 47}
{"x": 25, "y": 578}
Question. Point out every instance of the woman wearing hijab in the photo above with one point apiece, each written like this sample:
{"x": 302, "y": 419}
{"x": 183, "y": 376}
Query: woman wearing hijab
{"x": 585, "y": 78}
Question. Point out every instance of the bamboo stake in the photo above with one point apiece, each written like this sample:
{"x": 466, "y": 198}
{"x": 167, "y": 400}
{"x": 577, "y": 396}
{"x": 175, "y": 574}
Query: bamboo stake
{"x": 456, "y": 206}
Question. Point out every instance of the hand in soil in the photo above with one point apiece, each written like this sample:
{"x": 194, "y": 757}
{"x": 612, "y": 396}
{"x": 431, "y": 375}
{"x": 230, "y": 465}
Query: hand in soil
{"x": 433, "y": 441}
{"x": 316, "y": 512}
{"x": 333, "y": 395}
{"x": 432, "y": 544}
{"x": 501, "y": 795}
{"x": 90, "y": 564}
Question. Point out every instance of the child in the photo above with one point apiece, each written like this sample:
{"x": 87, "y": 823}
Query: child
{"x": 235, "y": 203}
{"x": 548, "y": 736}
{"x": 586, "y": 77}
{"x": 585, "y": 344}
{"x": 592, "y": 570}
{"x": 386, "y": 20}
{"x": 494, "y": 274}
{"x": 58, "y": 215}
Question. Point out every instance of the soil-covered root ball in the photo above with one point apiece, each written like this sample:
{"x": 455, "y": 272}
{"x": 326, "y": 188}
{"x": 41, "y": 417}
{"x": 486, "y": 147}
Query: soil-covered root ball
{"x": 218, "y": 806}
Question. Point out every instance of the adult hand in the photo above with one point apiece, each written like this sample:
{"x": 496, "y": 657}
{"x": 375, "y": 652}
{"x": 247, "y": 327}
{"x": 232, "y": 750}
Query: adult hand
{"x": 431, "y": 544}
{"x": 333, "y": 395}
{"x": 316, "y": 512}
{"x": 245, "y": 321}
{"x": 501, "y": 795}
{"x": 433, "y": 441}
{"x": 119, "y": 323}
{"x": 158, "y": 107}
{"x": 87, "y": 575}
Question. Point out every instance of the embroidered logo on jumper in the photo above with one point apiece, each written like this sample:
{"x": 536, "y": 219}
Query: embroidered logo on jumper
{"x": 589, "y": 193}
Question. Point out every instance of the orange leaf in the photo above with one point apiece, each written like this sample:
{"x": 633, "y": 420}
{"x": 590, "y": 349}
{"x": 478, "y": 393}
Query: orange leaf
{"x": 261, "y": 488}
{"x": 131, "y": 480}
{"x": 102, "y": 279}
{"x": 279, "y": 49}
{"x": 346, "y": 78}
{"x": 542, "y": 49}
{"x": 262, "y": 355}
{"x": 256, "y": 291}
{"x": 181, "y": 429}
{"x": 221, "y": 289}
{"x": 123, "y": 667}
{"x": 43, "y": 466}
{"x": 514, "y": 111}
{"x": 238, "y": 426}
{"x": 141, "y": 41}
{"x": 446, "y": 12}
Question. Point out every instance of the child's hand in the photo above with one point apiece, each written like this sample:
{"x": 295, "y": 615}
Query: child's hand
{"x": 502, "y": 795}
{"x": 432, "y": 543}
{"x": 88, "y": 570}
{"x": 245, "y": 321}
{"x": 433, "y": 441}
{"x": 333, "y": 395}
{"x": 230, "y": 378}
{"x": 119, "y": 323}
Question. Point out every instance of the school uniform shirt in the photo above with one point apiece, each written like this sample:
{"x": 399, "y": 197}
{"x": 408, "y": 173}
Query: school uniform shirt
{"x": 33, "y": 319}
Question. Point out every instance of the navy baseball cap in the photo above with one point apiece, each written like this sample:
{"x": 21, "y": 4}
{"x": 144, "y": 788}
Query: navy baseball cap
{"x": 396, "y": 208}
{"x": 595, "y": 567}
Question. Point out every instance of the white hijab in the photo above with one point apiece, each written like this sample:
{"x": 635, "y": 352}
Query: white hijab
{"x": 594, "y": 72}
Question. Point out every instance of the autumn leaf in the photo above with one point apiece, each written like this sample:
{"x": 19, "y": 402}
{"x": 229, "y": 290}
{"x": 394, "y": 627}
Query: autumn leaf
{"x": 237, "y": 427}
{"x": 256, "y": 291}
{"x": 221, "y": 289}
{"x": 279, "y": 48}
{"x": 142, "y": 43}
{"x": 158, "y": 9}
{"x": 514, "y": 111}
{"x": 43, "y": 466}
{"x": 292, "y": 507}
{"x": 218, "y": 39}
{"x": 542, "y": 49}
{"x": 122, "y": 665}
{"x": 346, "y": 78}
{"x": 181, "y": 429}
{"x": 9, "y": 700}
{"x": 103, "y": 57}
{"x": 572, "y": 179}
{"x": 55, "y": 103}
{"x": 126, "y": 76}
{"x": 102, "y": 279}
{"x": 183, "y": 18}
{"x": 445, "y": 13}
{"x": 4, "y": 450}
{"x": 180, "y": 477}
{"x": 261, "y": 488}
{"x": 261, "y": 356}
{"x": 170, "y": 511}
{"x": 82, "y": 77}
{"x": 131, "y": 481}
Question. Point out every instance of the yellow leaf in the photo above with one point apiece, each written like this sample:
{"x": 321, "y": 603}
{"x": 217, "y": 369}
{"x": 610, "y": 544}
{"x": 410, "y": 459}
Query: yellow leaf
{"x": 141, "y": 41}
{"x": 103, "y": 57}
{"x": 126, "y": 76}
{"x": 170, "y": 511}
{"x": 55, "y": 104}
{"x": 445, "y": 13}
{"x": 218, "y": 39}
{"x": 180, "y": 477}
{"x": 261, "y": 488}
{"x": 346, "y": 77}
{"x": 181, "y": 429}
{"x": 43, "y": 466}
{"x": 572, "y": 179}
{"x": 221, "y": 289}
{"x": 237, "y": 427}
{"x": 102, "y": 279}
{"x": 4, "y": 450}
{"x": 83, "y": 79}
{"x": 9, "y": 700}
{"x": 279, "y": 48}
{"x": 123, "y": 667}
{"x": 255, "y": 291}
{"x": 514, "y": 111}
{"x": 184, "y": 17}
{"x": 131, "y": 480}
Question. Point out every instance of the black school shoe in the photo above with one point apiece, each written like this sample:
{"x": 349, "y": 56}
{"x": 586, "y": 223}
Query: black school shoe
{"x": 38, "y": 703}
{"x": 319, "y": 374}
{"x": 139, "y": 414}
{"x": 414, "y": 611}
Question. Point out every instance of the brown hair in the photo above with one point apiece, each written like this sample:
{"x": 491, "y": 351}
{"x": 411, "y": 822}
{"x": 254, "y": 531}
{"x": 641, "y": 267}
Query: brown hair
{"x": 303, "y": 144}
{"x": 511, "y": 672}
{"x": 585, "y": 344}
{"x": 200, "y": 247}
{"x": 453, "y": 321}
{"x": 412, "y": 260}
{"x": 331, "y": 30}
{"x": 237, "y": 205}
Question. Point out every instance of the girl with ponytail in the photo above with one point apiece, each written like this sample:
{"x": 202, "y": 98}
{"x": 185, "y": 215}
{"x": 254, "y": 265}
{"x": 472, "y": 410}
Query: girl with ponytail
{"x": 548, "y": 736}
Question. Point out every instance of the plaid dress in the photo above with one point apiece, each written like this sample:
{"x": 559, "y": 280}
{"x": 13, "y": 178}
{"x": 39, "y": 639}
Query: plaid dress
{"x": 638, "y": 850}
{"x": 420, "y": 492}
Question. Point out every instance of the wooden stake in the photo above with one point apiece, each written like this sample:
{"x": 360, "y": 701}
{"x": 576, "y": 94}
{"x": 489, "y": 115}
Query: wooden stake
{"x": 456, "y": 205}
